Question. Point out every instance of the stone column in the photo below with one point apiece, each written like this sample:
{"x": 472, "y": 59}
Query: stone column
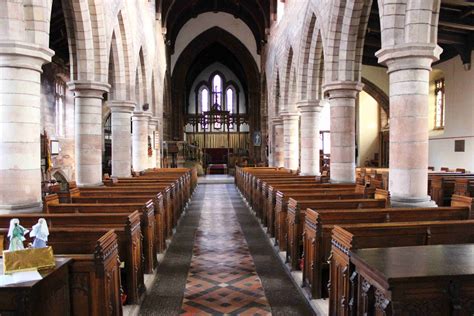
{"x": 291, "y": 140}
{"x": 278, "y": 145}
{"x": 20, "y": 124}
{"x": 121, "y": 137}
{"x": 310, "y": 143}
{"x": 342, "y": 100}
{"x": 140, "y": 141}
{"x": 152, "y": 124}
{"x": 88, "y": 98}
{"x": 409, "y": 69}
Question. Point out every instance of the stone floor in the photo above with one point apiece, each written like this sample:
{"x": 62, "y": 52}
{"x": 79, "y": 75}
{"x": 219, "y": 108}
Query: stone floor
{"x": 220, "y": 262}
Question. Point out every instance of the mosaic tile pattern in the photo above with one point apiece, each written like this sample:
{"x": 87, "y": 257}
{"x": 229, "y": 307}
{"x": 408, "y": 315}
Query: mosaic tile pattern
{"x": 222, "y": 278}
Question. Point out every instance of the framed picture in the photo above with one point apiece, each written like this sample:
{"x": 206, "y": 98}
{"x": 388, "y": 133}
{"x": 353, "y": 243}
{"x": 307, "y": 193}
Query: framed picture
{"x": 257, "y": 138}
{"x": 54, "y": 147}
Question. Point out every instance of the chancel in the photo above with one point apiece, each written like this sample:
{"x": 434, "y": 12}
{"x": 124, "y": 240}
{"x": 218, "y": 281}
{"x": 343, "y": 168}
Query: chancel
{"x": 236, "y": 157}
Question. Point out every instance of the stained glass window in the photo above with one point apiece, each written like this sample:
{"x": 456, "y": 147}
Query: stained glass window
{"x": 205, "y": 100}
{"x": 230, "y": 100}
{"x": 440, "y": 104}
{"x": 217, "y": 91}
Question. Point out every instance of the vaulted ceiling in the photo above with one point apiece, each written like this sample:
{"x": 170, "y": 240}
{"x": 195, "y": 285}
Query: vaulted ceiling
{"x": 257, "y": 14}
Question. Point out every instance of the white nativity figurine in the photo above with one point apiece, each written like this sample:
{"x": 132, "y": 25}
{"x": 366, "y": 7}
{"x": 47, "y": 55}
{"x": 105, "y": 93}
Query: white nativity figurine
{"x": 40, "y": 232}
{"x": 16, "y": 234}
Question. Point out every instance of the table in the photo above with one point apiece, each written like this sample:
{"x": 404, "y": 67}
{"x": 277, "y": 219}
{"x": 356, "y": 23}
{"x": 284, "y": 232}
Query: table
{"x": 48, "y": 296}
{"x": 419, "y": 280}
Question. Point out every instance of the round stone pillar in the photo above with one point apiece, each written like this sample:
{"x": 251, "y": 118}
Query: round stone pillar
{"x": 291, "y": 140}
{"x": 140, "y": 141}
{"x": 88, "y": 99}
{"x": 409, "y": 70}
{"x": 277, "y": 156}
{"x": 342, "y": 99}
{"x": 152, "y": 124}
{"x": 121, "y": 114}
{"x": 20, "y": 124}
{"x": 310, "y": 142}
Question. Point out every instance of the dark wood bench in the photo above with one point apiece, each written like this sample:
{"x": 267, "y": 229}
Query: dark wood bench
{"x": 347, "y": 238}
{"x": 283, "y": 193}
{"x": 160, "y": 229}
{"x": 147, "y": 215}
{"x": 126, "y": 226}
{"x": 319, "y": 224}
{"x": 296, "y": 219}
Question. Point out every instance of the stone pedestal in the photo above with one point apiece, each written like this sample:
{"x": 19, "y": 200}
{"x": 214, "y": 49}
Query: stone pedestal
{"x": 152, "y": 124}
{"x": 140, "y": 141}
{"x": 88, "y": 99}
{"x": 310, "y": 142}
{"x": 342, "y": 100}
{"x": 20, "y": 123}
{"x": 409, "y": 69}
{"x": 291, "y": 140}
{"x": 121, "y": 137}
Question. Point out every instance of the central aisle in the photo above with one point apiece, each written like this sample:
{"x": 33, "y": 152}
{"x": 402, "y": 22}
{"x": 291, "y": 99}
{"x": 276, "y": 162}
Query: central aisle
{"x": 218, "y": 261}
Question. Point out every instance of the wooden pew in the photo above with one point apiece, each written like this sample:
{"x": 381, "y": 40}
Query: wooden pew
{"x": 278, "y": 195}
{"x": 350, "y": 237}
{"x": 126, "y": 226}
{"x": 319, "y": 224}
{"x": 168, "y": 199}
{"x": 160, "y": 228}
{"x": 147, "y": 212}
{"x": 296, "y": 219}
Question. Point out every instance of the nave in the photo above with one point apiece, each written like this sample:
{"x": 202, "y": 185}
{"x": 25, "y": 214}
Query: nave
{"x": 220, "y": 262}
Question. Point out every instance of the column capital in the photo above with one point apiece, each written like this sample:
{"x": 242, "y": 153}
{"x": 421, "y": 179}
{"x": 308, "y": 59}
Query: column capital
{"x": 409, "y": 56}
{"x": 141, "y": 116}
{"x": 24, "y": 55}
{"x": 343, "y": 89}
{"x": 277, "y": 121}
{"x": 88, "y": 89}
{"x": 154, "y": 121}
{"x": 286, "y": 115}
{"x": 309, "y": 106}
{"x": 117, "y": 106}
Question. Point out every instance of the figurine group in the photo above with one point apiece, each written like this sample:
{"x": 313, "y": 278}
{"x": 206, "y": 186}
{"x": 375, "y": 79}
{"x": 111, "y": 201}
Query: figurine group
{"x": 16, "y": 234}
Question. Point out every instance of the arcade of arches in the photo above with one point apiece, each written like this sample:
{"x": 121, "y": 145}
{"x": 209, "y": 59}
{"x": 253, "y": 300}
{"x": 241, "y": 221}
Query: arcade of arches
{"x": 97, "y": 88}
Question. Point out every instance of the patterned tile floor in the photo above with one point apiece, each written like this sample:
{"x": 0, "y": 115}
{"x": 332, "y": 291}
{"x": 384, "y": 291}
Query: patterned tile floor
{"x": 222, "y": 278}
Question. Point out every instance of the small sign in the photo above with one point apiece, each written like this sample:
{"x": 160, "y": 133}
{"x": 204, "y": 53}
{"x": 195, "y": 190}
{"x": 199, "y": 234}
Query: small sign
{"x": 459, "y": 146}
{"x": 54, "y": 147}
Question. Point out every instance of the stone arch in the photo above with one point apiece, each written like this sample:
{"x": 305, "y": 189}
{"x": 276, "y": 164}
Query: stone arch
{"x": 85, "y": 24}
{"x": 309, "y": 26}
{"x": 116, "y": 70}
{"x": 287, "y": 80}
{"x": 80, "y": 38}
{"x": 141, "y": 82}
{"x": 166, "y": 107}
{"x": 416, "y": 21}
{"x": 61, "y": 178}
{"x": 124, "y": 26}
{"x": 378, "y": 94}
{"x": 345, "y": 40}
{"x": 316, "y": 68}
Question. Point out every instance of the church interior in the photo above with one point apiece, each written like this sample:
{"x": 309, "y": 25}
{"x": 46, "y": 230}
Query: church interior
{"x": 237, "y": 157}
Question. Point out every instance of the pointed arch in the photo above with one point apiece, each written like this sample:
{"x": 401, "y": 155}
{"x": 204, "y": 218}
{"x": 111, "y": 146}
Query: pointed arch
{"x": 124, "y": 27}
{"x": 287, "y": 79}
{"x": 305, "y": 56}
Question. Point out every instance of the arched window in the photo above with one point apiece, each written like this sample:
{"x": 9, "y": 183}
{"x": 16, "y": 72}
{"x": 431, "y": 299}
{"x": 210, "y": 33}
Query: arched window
{"x": 230, "y": 100}
{"x": 217, "y": 91}
{"x": 204, "y": 99}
